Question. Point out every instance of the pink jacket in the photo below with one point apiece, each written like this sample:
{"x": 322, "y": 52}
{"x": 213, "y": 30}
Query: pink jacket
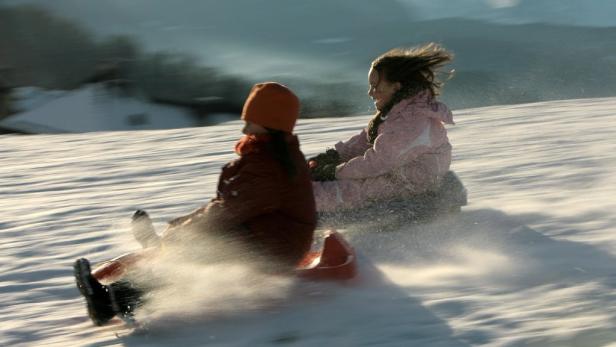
{"x": 409, "y": 156}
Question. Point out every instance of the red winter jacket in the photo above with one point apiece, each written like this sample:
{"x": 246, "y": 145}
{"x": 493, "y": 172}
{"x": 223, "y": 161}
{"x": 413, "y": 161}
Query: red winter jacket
{"x": 274, "y": 213}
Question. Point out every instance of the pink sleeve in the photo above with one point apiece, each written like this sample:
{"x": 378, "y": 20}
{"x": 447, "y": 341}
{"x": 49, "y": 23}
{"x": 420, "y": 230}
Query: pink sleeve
{"x": 353, "y": 147}
{"x": 400, "y": 143}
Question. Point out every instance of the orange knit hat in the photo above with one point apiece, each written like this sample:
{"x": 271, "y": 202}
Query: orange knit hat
{"x": 271, "y": 105}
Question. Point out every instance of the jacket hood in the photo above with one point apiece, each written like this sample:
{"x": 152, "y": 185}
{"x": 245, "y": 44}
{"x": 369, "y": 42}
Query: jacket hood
{"x": 257, "y": 143}
{"x": 425, "y": 105}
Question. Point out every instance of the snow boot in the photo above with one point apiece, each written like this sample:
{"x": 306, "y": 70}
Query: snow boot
{"x": 143, "y": 230}
{"x": 127, "y": 298}
{"x": 106, "y": 301}
{"x": 99, "y": 299}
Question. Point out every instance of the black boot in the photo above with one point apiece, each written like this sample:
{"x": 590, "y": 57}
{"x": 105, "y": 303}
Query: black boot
{"x": 127, "y": 298}
{"x": 98, "y": 298}
{"x": 143, "y": 230}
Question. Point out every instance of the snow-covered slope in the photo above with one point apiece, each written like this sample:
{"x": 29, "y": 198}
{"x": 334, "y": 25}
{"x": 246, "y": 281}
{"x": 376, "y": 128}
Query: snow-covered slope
{"x": 530, "y": 262}
{"x": 94, "y": 107}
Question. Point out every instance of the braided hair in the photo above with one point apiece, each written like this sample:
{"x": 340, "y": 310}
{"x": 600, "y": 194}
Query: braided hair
{"x": 415, "y": 69}
{"x": 280, "y": 150}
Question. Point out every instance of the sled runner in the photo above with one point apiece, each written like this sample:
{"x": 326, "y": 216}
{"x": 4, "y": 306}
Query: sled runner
{"x": 336, "y": 261}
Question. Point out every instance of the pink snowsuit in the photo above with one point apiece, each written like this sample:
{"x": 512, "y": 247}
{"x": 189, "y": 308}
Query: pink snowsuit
{"x": 410, "y": 155}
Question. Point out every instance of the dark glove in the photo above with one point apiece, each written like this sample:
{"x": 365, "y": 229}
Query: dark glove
{"x": 323, "y": 166}
{"x": 330, "y": 156}
{"x": 323, "y": 173}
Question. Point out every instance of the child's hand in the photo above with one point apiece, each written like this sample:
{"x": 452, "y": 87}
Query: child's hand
{"x": 323, "y": 166}
{"x": 323, "y": 173}
{"x": 330, "y": 156}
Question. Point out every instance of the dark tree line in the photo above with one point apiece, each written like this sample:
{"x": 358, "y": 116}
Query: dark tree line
{"x": 40, "y": 49}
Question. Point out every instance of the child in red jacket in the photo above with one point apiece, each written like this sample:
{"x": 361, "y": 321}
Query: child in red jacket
{"x": 264, "y": 202}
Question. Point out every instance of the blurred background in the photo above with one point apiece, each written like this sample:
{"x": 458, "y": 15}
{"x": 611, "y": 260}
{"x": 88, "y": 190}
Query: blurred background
{"x": 85, "y": 65}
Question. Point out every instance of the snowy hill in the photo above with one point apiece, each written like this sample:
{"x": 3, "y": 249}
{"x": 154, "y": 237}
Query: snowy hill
{"x": 94, "y": 107}
{"x": 530, "y": 262}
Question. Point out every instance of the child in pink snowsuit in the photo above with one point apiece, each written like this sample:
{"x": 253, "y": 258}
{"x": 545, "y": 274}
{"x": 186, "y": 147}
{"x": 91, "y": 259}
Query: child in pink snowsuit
{"x": 404, "y": 151}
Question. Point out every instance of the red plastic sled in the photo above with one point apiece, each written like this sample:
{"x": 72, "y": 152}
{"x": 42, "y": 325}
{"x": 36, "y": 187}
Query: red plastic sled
{"x": 335, "y": 262}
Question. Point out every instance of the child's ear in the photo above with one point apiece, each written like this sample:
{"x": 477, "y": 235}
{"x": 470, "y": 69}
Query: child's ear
{"x": 398, "y": 86}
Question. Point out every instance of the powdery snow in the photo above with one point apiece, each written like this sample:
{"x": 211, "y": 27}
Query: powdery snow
{"x": 94, "y": 107}
{"x": 530, "y": 262}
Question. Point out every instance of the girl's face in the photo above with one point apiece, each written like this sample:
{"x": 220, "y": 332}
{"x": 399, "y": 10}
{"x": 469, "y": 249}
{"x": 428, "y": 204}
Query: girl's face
{"x": 381, "y": 90}
{"x": 253, "y": 129}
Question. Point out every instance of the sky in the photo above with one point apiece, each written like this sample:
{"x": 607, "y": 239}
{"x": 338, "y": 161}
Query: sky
{"x": 595, "y": 13}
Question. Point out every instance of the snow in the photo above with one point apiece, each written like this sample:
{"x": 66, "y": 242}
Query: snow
{"x": 530, "y": 261}
{"x": 93, "y": 107}
{"x": 28, "y": 98}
